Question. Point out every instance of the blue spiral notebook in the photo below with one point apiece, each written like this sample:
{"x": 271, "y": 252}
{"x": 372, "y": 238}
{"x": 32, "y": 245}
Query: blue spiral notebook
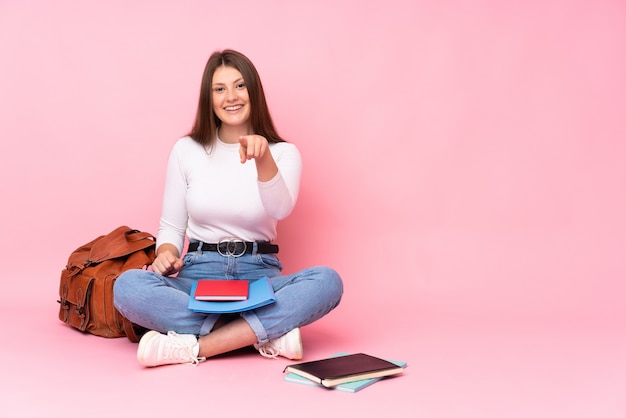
{"x": 260, "y": 293}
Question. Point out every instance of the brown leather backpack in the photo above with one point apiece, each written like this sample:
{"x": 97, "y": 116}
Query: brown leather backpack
{"x": 86, "y": 289}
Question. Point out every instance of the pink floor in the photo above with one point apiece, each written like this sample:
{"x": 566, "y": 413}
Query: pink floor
{"x": 457, "y": 368}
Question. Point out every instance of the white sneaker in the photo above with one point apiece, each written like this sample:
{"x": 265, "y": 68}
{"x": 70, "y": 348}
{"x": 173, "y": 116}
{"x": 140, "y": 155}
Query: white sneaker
{"x": 156, "y": 349}
{"x": 288, "y": 346}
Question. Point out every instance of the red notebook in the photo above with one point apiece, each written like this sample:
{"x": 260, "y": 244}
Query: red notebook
{"x": 221, "y": 290}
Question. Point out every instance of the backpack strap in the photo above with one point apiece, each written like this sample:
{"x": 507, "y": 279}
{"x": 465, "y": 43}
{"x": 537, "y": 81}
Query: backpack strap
{"x": 118, "y": 243}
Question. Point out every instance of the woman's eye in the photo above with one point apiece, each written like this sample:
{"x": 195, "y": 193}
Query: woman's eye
{"x": 241, "y": 86}
{"x": 218, "y": 89}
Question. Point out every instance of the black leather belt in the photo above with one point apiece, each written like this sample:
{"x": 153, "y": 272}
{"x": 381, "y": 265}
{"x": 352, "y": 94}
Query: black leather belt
{"x": 235, "y": 248}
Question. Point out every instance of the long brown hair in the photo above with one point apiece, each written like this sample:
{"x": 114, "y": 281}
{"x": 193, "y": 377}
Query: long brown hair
{"x": 205, "y": 126}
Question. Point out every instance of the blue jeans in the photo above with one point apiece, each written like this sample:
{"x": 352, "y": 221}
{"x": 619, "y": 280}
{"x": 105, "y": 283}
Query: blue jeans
{"x": 160, "y": 303}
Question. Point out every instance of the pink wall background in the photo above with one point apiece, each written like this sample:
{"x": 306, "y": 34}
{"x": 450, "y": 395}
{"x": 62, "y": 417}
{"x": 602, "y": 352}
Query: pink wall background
{"x": 465, "y": 162}
{"x": 469, "y": 154}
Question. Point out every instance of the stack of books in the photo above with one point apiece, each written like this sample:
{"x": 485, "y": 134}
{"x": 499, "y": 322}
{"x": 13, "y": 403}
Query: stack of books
{"x": 343, "y": 372}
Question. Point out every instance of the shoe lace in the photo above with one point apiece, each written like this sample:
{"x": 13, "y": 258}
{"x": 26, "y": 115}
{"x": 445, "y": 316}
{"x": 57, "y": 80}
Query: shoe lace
{"x": 269, "y": 350}
{"x": 179, "y": 348}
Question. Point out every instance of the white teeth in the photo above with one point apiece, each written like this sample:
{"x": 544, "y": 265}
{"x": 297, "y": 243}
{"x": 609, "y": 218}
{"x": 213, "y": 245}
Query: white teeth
{"x": 233, "y": 107}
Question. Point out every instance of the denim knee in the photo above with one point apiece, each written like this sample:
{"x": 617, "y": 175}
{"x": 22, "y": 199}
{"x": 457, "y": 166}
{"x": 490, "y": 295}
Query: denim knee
{"x": 122, "y": 289}
{"x": 332, "y": 283}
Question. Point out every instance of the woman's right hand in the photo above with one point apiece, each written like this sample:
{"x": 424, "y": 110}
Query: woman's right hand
{"x": 167, "y": 261}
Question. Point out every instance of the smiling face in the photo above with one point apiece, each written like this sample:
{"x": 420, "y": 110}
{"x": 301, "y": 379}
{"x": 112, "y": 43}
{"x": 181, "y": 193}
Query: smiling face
{"x": 231, "y": 102}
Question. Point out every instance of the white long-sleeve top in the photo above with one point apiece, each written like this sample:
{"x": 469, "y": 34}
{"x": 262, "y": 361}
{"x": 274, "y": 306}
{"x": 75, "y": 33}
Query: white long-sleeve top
{"x": 210, "y": 195}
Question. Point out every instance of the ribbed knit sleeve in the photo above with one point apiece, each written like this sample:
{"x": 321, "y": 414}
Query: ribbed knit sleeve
{"x": 279, "y": 195}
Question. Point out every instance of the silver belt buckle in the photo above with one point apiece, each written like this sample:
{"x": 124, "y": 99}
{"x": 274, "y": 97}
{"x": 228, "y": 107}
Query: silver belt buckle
{"x": 231, "y": 247}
